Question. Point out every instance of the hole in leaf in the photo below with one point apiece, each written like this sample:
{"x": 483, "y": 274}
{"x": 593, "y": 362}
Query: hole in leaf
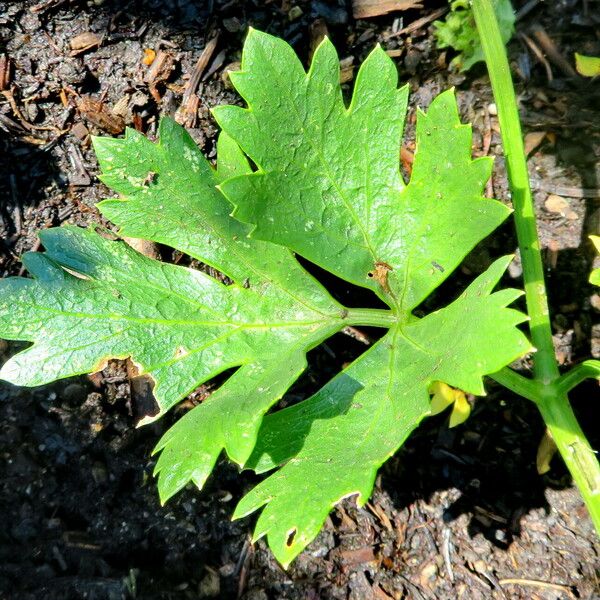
{"x": 290, "y": 537}
{"x": 350, "y": 295}
{"x": 181, "y": 259}
{"x": 475, "y": 263}
{"x": 326, "y": 361}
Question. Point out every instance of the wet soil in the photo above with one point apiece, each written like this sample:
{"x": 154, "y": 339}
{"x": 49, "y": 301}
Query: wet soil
{"x": 458, "y": 513}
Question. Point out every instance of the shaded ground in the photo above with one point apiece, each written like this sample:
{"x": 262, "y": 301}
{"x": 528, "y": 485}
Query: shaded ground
{"x": 457, "y": 513}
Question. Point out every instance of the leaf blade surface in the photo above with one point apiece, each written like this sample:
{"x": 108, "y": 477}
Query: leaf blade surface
{"x": 328, "y": 183}
{"x": 331, "y": 445}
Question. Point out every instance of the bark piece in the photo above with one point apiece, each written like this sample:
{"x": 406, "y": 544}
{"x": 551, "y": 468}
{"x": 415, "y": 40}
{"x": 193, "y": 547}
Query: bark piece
{"x": 5, "y": 72}
{"x": 83, "y": 42}
{"x": 98, "y": 114}
{"x": 187, "y": 113}
{"x": 363, "y": 9}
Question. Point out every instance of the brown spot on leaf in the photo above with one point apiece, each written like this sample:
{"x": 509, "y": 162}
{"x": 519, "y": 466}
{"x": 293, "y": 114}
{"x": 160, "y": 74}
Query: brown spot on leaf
{"x": 380, "y": 274}
{"x": 181, "y": 352}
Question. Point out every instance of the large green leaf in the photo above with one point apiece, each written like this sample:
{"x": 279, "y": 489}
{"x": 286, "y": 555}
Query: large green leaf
{"x": 327, "y": 186}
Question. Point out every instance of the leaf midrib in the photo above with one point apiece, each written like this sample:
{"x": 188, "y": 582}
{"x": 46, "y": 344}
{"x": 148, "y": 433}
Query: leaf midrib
{"x": 117, "y": 317}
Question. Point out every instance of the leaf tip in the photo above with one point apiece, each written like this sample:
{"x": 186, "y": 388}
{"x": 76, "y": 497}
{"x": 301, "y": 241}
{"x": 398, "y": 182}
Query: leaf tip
{"x": 148, "y": 419}
{"x": 163, "y": 495}
{"x": 9, "y": 373}
{"x": 97, "y": 141}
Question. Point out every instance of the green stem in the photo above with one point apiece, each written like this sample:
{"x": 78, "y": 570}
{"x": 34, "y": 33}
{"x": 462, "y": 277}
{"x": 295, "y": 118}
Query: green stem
{"x": 528, "y": 388}
{"x": 545, "y": 367}
{"x": 574, "y": 448}
{"x": 551, "y": 400}
{"x": 589, "y": 369}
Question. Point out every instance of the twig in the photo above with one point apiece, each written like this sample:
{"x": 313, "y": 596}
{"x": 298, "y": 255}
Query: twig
{"x": 553, "y": 53}
{"x": 187, "y": 112}
{"x": 200, "y": 67}
{"x": 216, "y": 64}
{"x": 52, "y": 44}
{"x": 486, "y": 143}
{"x": 487, "y": 586}
{"x": 79, "y": 176}
{"x": 415, "y": 589}
{"x": 11, "y": 100}
{"x": 526, "y": 9}
{"x": 363, "y": 9}
{"x": 17, "y": 216}
{"x": 241, "y": 567}
{"x": 536, "y": 583}
{"x": 538, "y": 54}
{"x": 446, "y": 550}
{"x": 494, "y": 583}
{"x": 11, "y": 126}
{"x": 358, "y": 335}
{"x": 418, "y": 23}
{"x": 569, "y": 192}
{"x": 43, "y": 6}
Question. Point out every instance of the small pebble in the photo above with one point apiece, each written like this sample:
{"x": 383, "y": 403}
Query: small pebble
{"x": 74, "y": 393}
{"x": 295, "y": 13}
{"x": 492, "y": 109}
{"x": 210, "y": 586}
{"x": 515, "y": 268}
{"x": 232, "y": 25}
{"x": 556, "y": 204}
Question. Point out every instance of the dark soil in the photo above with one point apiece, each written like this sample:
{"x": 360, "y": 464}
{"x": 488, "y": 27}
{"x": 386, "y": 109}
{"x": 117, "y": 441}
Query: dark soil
{"x": 458, "y": 513}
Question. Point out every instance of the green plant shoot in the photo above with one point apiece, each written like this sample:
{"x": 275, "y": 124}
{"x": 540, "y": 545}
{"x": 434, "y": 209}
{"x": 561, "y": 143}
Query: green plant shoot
{"x": 327, "y": 187}
{"x": 458, "y": 31}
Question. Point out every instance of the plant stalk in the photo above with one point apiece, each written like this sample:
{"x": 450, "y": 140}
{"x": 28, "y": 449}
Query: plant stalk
{"x": 588, "y": 369}
{"x": 551, "y": 401}
{"x": 528, "y": 388}
{"x": 573, "y": 446}
{"x": 545, "y": 367}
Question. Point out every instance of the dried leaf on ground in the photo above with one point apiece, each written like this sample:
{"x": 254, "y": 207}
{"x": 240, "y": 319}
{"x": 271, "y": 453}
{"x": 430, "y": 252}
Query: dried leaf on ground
{"x": 363, "y": 9}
